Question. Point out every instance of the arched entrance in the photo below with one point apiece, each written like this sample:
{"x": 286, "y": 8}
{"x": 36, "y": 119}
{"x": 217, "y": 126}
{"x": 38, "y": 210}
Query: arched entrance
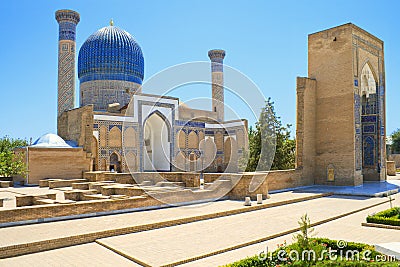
{"x": 115, "y": 162}
{"x": 370, "y": 124}
{"x": 157, "y": 141}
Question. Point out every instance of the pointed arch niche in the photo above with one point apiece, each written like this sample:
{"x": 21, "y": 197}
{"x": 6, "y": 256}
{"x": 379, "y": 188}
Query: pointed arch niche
{"x": 157, "y": 132}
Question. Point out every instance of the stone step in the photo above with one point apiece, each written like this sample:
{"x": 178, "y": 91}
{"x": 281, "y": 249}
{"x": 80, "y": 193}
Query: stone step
{"x": 5, "y": 184}
{"x": 119, "y": 197}
{"x": 95, "y": 197}
{"x": 45, "y": 182}
{"x": 67, "y": 201}
{"x": 64, "y": 183}
{"x": 78, "y": 194}
{"x": 45, "y": 201}
{"x": 170, "y": 184}
{"x": 82, "y": 186}
{"x": 146, "y": 183}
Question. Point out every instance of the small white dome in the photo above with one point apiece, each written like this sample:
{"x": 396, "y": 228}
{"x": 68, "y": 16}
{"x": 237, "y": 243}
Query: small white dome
{"x": 50, "y": 140}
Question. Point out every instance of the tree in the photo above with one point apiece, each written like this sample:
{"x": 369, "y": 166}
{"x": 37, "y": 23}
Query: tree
{"x": 285, "y": 152}
{"x": 396, "y": 142}
{"x": 305, "y": 233}
{"x": 11, "y": 163}
{"x": 270, "y": 146}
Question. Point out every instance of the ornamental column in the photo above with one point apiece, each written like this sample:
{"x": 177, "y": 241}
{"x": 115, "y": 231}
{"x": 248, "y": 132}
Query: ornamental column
{"x": 67, "y": 21}
{"x": 217, "y": 75}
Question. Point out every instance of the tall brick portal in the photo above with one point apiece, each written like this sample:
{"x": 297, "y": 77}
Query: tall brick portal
{"x": 341, "y": 108}
{"x": 67, "y": 21}
{"x": 217, "y": 71}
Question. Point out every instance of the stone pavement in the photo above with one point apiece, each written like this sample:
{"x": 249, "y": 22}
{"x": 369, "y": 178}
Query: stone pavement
{"x": 179, "y": 243}
{"x": 392, "y": 249}
{"x": 166, "y": 245}
{"x": 347, "y": 228}
{"x": 45, "y": 231}
{"x": 81, "y": 255}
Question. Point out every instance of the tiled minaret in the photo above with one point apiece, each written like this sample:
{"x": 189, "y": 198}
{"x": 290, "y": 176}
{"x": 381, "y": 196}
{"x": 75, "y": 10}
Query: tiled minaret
{"x": 217, "y": 74}
{"x": 67, "y": 21}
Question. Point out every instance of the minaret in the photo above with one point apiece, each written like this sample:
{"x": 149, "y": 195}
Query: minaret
{"x": 67, "y": 21}
{"x": 217, "y": 75}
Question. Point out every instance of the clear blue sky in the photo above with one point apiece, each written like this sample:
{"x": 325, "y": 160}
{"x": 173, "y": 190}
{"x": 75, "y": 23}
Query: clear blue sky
{"x": 266, "y": 40}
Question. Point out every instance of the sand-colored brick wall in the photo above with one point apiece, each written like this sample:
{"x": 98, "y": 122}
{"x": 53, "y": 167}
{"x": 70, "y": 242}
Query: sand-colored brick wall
{"x": 77, "y": 125}
{"x": 186, "y": 113}
{"x": 305, "y": 126}
{"x": 65, "y": 163}
{"x": 330, "y": 63}
{"x": 283, "y": 179}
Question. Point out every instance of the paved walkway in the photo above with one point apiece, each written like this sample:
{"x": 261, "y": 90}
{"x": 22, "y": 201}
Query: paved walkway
{"x": 45, "y": 231}
{"x": 347, "y": 228}
{"x": 177, "y": 243}
{"x": 171, "y": 244}
{"x": 81, "y": 255}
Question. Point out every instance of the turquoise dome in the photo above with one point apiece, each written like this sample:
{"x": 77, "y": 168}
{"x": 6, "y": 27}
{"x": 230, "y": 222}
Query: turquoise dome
{"x": 111, "y": 54}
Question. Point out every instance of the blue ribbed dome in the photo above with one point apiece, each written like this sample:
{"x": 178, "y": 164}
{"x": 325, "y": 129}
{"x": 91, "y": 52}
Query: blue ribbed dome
{"x": 110, "y": 54}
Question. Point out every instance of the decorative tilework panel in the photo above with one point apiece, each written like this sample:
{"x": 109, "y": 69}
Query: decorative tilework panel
{"x": 66, "y": 31}
{"x": 369, "y": 118}
{"x": 369, "y": 128}
{"x": 369, "y": 151}
{"x": 190, "y": 124}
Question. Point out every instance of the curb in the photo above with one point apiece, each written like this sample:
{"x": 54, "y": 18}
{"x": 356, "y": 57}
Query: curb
{"x": 378, "y": 225}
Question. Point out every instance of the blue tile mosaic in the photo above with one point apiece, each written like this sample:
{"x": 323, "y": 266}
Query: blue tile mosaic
{"x": 190, "y": 124}
{"x": 67, "y": 31}
{"x": 370, "y": 118}
{"x": 369, "y": 128}
{"x": 369, "y": 151}
{"x": 111, "y": 54}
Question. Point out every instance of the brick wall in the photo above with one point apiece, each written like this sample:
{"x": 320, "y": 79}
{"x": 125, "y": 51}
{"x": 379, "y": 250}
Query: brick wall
{"x": 330, "y": 63}
{"x": 65, "y": 163}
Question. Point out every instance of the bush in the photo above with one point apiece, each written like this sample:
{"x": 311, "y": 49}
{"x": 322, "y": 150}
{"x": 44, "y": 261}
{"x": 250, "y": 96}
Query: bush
{"x": 387, "y": 217}
{"x": 317, "y": 245}
{"x": 321, "y": 252}
{"x": 11, "y": 163}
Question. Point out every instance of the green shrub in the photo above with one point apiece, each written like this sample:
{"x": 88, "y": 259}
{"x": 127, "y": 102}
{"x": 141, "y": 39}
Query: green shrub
{"x": 388, "y": 217}
{"x": 355, "y": 264}
{"x": 316, "y": 244}
{"x": 346, "y": 254}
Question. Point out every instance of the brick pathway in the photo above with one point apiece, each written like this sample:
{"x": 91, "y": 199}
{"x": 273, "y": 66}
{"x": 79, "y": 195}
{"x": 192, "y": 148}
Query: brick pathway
{"x": 45, "y": 231}
{"x": 82, "y": 255}
{"x": 170, "y": 244}
{"x": 181, "y": 242}
{"x": 348, "y": 228}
